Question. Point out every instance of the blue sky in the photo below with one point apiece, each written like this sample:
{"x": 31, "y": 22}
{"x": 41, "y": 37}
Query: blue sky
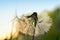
{"x": 8, "y": 7}
{"x": 24, "y": 6}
